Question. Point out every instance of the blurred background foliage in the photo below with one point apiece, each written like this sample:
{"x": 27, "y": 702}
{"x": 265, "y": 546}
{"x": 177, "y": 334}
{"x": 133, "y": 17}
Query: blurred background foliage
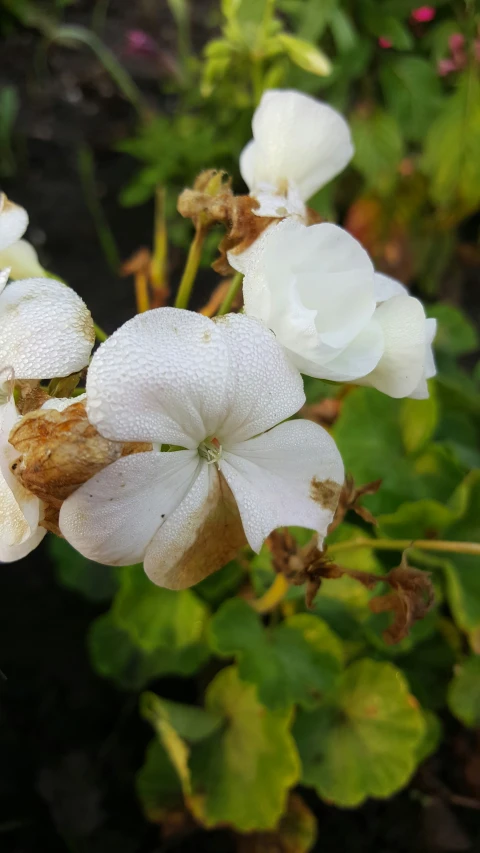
{"x": 247, "y": 708}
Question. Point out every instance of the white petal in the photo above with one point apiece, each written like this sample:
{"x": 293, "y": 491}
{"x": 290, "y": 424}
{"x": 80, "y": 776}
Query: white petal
{"x": 173, "y": 376}
{"x": 45, "y": 329}
{"x": 113, "y": 517}
{"x": 19, "y": 510}
{"x": 22, "y": 260}
{"x": 13, "y": 222}
{"x": 161, "y": 377}
{"x": 357, "y": 359}
{"x": 291, "y": 475}
{"x": 421, "y": 391}
{"x": 273, "y": 203}
{"x": 314, "y": 287}
{"x": 263, "y": 386}
{"x": 297, "y": 140}
{"x": 199, "y": 537}
{"x": 11, "y": 553}
{"x": 401, "y": 367}
{"x": 386, "y": 287}
{"x": 62, "y": 403}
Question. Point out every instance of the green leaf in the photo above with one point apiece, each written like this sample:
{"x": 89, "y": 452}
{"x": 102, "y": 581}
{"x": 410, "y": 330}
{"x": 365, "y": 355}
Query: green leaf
{"x": 94, "y": 581}
{"x": 456, "y": 334}
{"x": 369, "y": 437}
{"x": 431, "y": 738}
{"x": 114, "y": 655}
{"x": 189, "y": 721}
{"x": 428, "y": 668}
{"x": 418, "y": 421}
{"x": 155, "y": 617}
{"x": 382, "y": 24}
{"x": 427, "y": 519}
{"x": 378, "y": 149}
{"x": 158, "y": 786}
{"x": 413, "y": 94}
{"x": 451, "y": 148}
{"x": 365, "y": 743}
{"x": 295, "y": 662}
{"x": 222, "y": 584}
{"x": 242, "y": 773}
{"x": 464, "y": 692}
{"x": 463, "y": 577}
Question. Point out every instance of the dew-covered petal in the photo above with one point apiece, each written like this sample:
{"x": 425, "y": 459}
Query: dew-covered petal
{"x": 161, "y": 377}
{"x": 12, "y": 553}
{"x": 113, "y": 517}
{"x": 173, "y": 376}
{"x": 199, "y": 537}
{"x": 13, "y": 222}
{"x": 45, "y": 329}
{"x": 402, "y": 365}
{"x": 291, "y": 475}
{"x": 263, "y": 387}
{"x": 297, "y": 140}
{"x": 22, "y": 260}
{"x": 19, "y": 509}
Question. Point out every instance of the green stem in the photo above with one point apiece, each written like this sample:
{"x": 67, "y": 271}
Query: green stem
{"x": 235, "y": 286}
{"x": 99, "y": 333}
{"x": 401, "y": 544}
{"x": 191, "y": 268}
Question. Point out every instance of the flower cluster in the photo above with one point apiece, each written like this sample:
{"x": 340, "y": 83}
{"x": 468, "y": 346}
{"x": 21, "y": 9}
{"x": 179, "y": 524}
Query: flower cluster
{"x": 207, "y": 454}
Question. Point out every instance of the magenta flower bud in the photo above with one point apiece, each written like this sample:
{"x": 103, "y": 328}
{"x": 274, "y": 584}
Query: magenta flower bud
{"x": 384, "y": 42}
{"x": 424, "y": 14}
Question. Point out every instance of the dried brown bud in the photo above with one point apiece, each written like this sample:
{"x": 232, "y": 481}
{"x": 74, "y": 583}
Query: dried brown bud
{"x": 61, "y": 450}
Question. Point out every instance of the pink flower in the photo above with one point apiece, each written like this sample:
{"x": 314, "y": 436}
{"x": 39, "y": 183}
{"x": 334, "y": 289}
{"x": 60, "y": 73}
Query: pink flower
{"x": 456, "y": 43}
{"x": 424, "y": 14}
{"x": 384, "y": 42}
{"x": 139, "y": 43}
{"x": 446, "y": 66}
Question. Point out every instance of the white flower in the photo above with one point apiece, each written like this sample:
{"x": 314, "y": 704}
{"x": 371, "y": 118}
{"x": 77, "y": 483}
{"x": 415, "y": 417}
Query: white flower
{"x": 17, "y": 255}
{"x": 20, "y": 511}
{"x": 298, "y": 145}
{"x": 316, "y": 289}
{"x": 45, "y": 329}
{"x": 219, "y": 390}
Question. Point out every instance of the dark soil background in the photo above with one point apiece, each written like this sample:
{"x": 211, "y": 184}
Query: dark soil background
{"x": 70, "y": 743}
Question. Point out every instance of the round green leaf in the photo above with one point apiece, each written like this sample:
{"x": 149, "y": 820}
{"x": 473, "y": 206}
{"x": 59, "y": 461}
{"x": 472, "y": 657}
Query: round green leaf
{"x": 154, "y": 616}
{"x": 296, "y": 662}
{"x": 464, "y": 692}
{"x": 365, "y": 741}
{"x": 241, "y": 775}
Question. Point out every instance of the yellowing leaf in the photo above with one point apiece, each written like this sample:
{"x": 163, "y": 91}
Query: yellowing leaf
{"x": 364, "y": 742}
{"x": 241, "y": 774}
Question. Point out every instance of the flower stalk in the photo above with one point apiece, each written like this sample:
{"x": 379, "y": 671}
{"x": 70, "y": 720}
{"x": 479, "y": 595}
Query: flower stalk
{"x": 191, "y": 268}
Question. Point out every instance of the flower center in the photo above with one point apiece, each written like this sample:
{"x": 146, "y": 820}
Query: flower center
{"x": 210, "y": 449}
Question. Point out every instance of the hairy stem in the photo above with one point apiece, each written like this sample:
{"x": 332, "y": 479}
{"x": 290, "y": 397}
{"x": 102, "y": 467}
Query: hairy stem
{"x": 191, "y": 269}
